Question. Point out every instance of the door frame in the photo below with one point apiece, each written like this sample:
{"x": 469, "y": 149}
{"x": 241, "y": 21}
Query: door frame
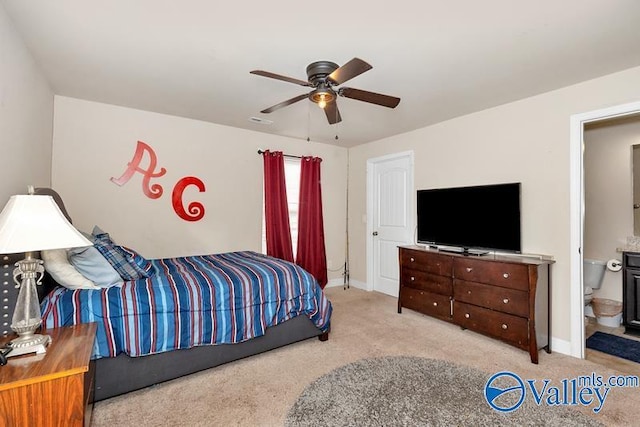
{"x": 576, "y": 191}
{"x": 371, "y": 163}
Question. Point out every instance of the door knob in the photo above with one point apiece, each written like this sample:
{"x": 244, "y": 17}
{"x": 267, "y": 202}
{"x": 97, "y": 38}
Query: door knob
{"x": 375, "y": 233}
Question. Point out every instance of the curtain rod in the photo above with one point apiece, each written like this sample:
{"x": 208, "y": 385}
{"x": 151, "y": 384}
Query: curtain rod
{"x": 285, "y": 155}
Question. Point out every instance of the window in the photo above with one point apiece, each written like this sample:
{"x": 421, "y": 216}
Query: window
{"x": 292, "y": 178}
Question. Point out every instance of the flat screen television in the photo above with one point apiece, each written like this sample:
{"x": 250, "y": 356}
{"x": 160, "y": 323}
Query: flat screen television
{"x": 471, "y": 219}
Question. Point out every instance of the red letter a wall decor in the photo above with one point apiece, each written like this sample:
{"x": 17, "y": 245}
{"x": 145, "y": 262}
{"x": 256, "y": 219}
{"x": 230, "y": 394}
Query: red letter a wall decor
{"x": 154, "y": 191}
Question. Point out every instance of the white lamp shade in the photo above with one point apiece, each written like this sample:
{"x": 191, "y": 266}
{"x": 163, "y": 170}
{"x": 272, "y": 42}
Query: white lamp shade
{"x": 31, "y": 223}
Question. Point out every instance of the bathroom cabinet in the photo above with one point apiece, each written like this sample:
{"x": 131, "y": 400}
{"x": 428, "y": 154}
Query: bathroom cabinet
{"x": 630, "y": 292}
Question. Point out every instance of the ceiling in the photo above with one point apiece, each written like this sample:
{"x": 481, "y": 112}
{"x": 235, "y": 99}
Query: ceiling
{"x": 191, "y": 58}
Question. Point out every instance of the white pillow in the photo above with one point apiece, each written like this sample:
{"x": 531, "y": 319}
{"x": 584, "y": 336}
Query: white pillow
{"x": 58, "y": 266}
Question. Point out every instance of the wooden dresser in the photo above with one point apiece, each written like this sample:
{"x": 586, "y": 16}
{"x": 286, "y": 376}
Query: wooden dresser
{"x": 502, "y": 297}
{"x": 51, "y": 389}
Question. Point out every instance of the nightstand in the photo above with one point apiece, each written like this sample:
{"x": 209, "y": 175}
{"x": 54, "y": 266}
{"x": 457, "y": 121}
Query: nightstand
{"x": 51, "y": 389}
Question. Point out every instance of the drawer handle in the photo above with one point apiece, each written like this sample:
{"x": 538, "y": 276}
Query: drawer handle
{"x": 413, "y": 278}
{"x": 469, "y": 269}
{"x": 504, "y": 326}
{"x": 435, "y": 304}
{"x": 505, "y": 275}
{"x": 506, "y": 300}
{"x": 467, "y": 315}
{"x": 413, "y": 259}
{"x": 468, "y": 292}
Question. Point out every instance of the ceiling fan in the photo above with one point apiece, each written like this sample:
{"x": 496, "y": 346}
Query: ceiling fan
{"x": 323, "y": 77}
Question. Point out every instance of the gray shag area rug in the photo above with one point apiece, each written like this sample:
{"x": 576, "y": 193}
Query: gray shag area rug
{"x": 414, "y": 391}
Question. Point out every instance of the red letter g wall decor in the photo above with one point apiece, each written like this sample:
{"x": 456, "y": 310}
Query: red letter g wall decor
{"x": 195, "y": 210}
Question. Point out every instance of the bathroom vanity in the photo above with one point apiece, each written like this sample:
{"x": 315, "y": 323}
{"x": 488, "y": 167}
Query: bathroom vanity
{"x": 631, "y": 292}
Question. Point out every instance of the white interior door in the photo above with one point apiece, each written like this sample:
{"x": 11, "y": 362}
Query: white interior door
{"x": 391, "y": 217}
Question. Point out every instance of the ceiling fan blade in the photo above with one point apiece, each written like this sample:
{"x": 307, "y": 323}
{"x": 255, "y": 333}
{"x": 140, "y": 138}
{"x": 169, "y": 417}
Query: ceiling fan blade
{"x": 372, "y": 97}
{"x": 351, "y": 69}
{"x": 285, "y": 103}
{"x": 332, "y": 112}
{"x": 279, "y": 77}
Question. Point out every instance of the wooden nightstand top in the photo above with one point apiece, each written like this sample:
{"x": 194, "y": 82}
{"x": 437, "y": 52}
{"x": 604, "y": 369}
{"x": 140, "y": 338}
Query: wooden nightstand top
{"x": 68, "y": 354}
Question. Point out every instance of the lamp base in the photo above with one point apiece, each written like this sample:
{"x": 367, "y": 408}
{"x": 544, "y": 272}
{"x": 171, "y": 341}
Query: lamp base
{"x": 26, "y": 344}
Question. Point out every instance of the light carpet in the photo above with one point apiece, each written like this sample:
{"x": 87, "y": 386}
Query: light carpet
{"x": 260, "y": 390}
{"x": 414, "y": 391}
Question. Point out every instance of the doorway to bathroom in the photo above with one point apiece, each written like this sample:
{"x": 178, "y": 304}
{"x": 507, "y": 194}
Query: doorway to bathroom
{"x": 608, "y": 222}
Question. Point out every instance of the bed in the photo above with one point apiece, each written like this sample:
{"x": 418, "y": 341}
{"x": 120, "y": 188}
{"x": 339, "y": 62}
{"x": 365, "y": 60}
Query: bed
{"x": 189, "y": 314}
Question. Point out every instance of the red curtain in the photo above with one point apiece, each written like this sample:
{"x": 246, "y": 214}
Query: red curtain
{"x": 311, "y": 250}
{"x": 276, "y": 209}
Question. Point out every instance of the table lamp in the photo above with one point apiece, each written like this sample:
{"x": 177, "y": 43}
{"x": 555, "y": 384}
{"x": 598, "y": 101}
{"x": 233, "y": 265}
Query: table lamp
{"x": 31, "y": 223}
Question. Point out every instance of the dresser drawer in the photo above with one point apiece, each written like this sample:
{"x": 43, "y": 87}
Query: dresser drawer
{"x": 427, "y": 282}
{"x": 441, "y": 265}
{"x": 435, "y": 305}
{"x": 515, "y": 276}
{"x": 507, "y": 327}
{"x": 497, "y": 298}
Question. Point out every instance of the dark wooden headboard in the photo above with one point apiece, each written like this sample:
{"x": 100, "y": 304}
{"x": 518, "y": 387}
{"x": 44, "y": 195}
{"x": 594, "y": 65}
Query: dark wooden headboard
{"x": 8, "y": 289}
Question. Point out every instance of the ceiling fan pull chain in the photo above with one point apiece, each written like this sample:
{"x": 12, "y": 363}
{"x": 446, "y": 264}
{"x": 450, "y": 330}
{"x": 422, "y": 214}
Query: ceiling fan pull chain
{"x": 309, "y": 124}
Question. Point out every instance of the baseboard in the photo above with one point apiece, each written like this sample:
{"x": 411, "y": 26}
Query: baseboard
{"x": 359, "y": 285}
{"x": 334, "y": 283}
{"x": 561, "y": 346}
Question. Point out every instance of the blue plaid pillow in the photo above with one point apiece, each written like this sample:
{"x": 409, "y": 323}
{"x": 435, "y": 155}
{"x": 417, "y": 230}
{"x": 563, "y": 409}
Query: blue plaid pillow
{"x": 140, "y": 261}
{"x": 126, "y": 267}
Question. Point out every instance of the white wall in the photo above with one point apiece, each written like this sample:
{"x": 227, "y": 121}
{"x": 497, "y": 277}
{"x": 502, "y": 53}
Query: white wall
{"x": 26, "y": 117}
{"x": 608, "y": 200}
{"x": 525, "y": 141}
{"x": 93, "y": 142}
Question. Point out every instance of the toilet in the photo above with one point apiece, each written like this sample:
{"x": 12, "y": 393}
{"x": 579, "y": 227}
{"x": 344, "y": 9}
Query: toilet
{"x": 593, "y": 273}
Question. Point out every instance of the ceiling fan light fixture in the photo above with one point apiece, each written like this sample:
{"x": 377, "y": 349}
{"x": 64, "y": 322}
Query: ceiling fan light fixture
{"x": 322, "y": 96}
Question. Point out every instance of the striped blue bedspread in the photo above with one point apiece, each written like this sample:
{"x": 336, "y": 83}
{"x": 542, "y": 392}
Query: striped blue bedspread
{"x": 191, "y": 301}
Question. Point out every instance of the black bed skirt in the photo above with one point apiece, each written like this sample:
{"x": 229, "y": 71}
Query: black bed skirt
{"x": 122, "y": 374}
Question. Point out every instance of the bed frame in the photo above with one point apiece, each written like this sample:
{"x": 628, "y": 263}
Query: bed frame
{"x": 122, "y": 374}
